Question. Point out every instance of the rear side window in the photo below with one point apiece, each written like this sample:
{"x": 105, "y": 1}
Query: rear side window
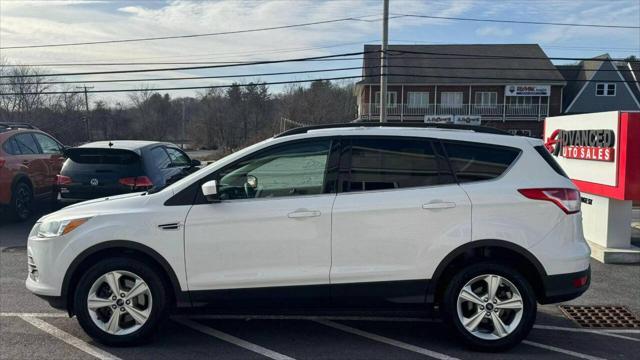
{"x": 550, "y": 160}
{"x": 387, "y": 163}
{"x": 26, "y": 144}
{"x": 475, "y": 162}
{"x": 11, "y": 147}
{"x": 159, "y": 158}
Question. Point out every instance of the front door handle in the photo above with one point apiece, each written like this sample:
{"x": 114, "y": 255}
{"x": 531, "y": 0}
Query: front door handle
{"x": 303, "y": 214}
{"x": 438, "y": 205}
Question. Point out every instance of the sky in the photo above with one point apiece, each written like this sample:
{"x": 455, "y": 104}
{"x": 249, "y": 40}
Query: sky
{"x": 24, "y": 22}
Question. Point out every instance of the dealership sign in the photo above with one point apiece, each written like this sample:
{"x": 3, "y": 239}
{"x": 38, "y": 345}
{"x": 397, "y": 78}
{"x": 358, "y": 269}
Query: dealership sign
{"x": 599, "y": 151}
{"x": 593, "y": 144}
{"x": 527, "y": 90}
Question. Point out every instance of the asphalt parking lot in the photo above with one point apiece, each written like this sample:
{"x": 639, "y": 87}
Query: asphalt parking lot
{"x": 29, "y": 328}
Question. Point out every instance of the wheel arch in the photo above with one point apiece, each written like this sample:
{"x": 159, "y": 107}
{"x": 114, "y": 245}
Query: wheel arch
{"x": 513, "y": 255}
{"x": 120, "y": 248}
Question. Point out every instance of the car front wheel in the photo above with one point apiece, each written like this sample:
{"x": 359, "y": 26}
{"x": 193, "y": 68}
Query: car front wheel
{"x": 490, "y": 306}
{"x": 120, "y": 301}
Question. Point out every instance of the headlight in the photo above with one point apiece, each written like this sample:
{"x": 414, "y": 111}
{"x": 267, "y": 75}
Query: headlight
{"x": 49, "y": 229}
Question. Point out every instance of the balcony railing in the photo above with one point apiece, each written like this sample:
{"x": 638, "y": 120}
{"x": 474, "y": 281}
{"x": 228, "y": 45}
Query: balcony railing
{"x": 498, "y": 110}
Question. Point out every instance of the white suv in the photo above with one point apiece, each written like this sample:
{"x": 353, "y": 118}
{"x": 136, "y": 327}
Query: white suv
{"x": 479, "y": 224}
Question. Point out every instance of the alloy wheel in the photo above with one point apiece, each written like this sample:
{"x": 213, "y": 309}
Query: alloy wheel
{"x": 119, "y": 302}
{"x": 490, "y": 307}
{"x": 23, "y": 201}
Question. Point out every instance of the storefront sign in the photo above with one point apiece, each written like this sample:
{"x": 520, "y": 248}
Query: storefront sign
{"x": 527, "y": 90}
{"x": 439, "y": 119}
{"x": 467, "y": 119}
{"x": 453, "y": 119}
{"x": 593, "y": 144}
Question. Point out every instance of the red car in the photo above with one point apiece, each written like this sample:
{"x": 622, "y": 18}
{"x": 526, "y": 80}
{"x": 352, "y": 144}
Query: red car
{"x": 29, "y": 162}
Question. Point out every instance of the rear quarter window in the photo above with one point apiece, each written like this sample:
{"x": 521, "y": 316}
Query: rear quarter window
{"x": 477, "y": 162}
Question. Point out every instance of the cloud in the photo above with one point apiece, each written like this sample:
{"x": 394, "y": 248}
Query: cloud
{"x": 494, "y": 31}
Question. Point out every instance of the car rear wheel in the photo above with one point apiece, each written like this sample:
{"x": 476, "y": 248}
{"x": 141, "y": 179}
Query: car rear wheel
{"x": 21, "y": 201}
{"x": 490, "y": 306}
{"x": 120, "y": 301}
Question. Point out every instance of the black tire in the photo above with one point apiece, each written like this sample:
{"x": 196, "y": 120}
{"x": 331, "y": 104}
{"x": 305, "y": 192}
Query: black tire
{"x": 21, "y": 201}
{"x": 146, "y": 272}
{"x": 449, "y": 306}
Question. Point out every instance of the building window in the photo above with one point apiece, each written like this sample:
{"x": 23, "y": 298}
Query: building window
{"x": 417, "y": 99}
{"x": 487, "y": 98}
{"x": 605, "y": 89}
{"x": 392, "y": 98}
{"x": 451, "y": 99}
{"x": 523, "y": 100}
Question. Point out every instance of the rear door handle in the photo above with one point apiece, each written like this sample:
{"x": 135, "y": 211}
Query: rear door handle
{"x": 303, "y": 214}
{"x": 438, "y": 205}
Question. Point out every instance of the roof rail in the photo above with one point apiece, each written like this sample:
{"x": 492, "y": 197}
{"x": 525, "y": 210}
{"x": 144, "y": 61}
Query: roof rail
{"x": 4, "y": 125}
{"x": 475, "y": 128}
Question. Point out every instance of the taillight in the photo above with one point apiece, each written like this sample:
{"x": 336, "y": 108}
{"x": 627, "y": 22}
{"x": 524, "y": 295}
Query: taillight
{"x": 136, "y": 182}
{"x": 567, "y": 199}
{"x": 2, "y": 162}
{"x": 63, "y": 180}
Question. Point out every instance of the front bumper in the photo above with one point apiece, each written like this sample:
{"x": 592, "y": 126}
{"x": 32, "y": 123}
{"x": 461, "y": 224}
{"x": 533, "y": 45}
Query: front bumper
{"x": 565, "y": 287}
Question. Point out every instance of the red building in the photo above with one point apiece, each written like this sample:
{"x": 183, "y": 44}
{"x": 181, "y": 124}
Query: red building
{"x": 511, "y": 87}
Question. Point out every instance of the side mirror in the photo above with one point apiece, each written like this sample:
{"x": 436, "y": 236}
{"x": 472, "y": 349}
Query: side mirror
{"x": 210, "y": 191}
{"x": 195, "y": 163}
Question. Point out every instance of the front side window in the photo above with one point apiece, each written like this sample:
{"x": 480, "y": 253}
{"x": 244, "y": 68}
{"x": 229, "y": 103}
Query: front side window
{"x": 47, "y": 144}
{"x": 178, "y": 158}
{"x": 385, "y": 163}
{"x": 417, "y": 99}
{"x": 475, "y": 162}
{"x": 26, "y": 144}
{"x": 288, "y": 170}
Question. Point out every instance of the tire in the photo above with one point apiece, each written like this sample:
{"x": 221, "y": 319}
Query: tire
{"x": 97, "y": 281}
{"x": 21, "y": 201}
{"x": 486, "y": 336}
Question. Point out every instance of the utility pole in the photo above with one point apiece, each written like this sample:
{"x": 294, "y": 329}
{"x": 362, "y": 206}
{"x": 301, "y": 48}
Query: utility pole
{"x": 184, "y": 136}
{"x": 383, "y": 62}
{"x": 86, "y": 107}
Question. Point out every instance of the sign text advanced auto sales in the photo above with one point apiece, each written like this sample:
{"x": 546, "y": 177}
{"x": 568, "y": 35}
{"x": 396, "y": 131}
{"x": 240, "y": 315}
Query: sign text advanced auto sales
{"x": 583, "y": 144}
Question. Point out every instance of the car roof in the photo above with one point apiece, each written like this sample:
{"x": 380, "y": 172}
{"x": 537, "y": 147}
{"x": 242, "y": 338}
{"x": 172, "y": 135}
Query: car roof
{"x": 133, "y": 145}
{"x": 456, "y": 134}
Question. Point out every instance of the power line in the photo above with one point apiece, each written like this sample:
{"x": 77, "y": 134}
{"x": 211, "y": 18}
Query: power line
{"x": 205, "y": 77}
{"x": 518, "y": 21}
{"x": 191, "y": 67}
{"x": 357, "y": 18}
{"x": 335, "y": 57}
{"x": 310, "y": 80}
{"x": 303, "y": 72}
